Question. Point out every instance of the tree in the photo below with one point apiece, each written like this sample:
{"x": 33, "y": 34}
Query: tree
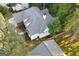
{"x": 2, "y": 21}
{"x": 8, "y": 37}
{"x": 5, "y": 11}
{"x": 10, "y": 40}
{"x": 64, "y": 11}
{"x": 54, "y": 26}
{"x": 61, "y": 12}
{"x": 53, "y": 8}
{"x": 10, "y": 7}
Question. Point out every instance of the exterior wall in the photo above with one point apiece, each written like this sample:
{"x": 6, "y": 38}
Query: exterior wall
{"x": 41, "y": 35}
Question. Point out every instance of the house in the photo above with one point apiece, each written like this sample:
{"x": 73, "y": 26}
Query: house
{"x": 4, "y": 4}
{"x": 47, "y": 48}
{"x": 19, "y": 6}
{"x": 35, "y": 21}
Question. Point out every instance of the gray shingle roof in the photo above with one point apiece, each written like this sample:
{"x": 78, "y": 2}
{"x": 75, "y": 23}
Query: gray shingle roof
{"x": 37, "y": 24}
{"x": 47, "y": 48}
{"x": 41, "y": 50}
{"x": 18, "y": 17}
{"x": 48, "y": 16}
{"x": 36, "y": 20}
{"x": 45, "y": 11}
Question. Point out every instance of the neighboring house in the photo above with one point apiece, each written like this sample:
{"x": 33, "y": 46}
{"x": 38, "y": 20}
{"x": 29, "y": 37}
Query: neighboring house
{"x": 35, "y": 21}
{"x": 19, "y": 6}
{"x": 47, "y": 48}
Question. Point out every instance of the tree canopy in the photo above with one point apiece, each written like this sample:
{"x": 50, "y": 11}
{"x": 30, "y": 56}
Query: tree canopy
{"x": 61, "y": 12}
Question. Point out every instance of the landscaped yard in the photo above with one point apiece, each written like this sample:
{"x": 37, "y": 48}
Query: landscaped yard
{"x": 67, "y": 43}
{"x": 64, "y": 29}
